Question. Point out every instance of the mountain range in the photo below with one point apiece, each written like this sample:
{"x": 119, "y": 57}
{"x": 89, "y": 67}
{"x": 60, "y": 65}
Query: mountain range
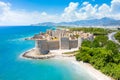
{"x": 93, "y": 22}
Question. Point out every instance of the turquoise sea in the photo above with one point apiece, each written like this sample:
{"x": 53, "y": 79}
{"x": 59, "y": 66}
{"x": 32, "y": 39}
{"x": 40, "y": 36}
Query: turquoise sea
{"x": 12, "y": 67}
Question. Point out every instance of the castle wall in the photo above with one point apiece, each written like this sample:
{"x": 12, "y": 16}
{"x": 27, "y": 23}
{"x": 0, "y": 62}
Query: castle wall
{"x": 53, "y": 45}
{"x": 42, "y": 47}
{"x": 73, "y": 43}
{"x": 64, "y": 43}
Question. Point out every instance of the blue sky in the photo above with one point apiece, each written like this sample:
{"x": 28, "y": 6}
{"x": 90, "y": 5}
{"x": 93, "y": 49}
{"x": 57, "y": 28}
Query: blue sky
{"x": 50, "y": 6}
{"x": 25, "y": 12}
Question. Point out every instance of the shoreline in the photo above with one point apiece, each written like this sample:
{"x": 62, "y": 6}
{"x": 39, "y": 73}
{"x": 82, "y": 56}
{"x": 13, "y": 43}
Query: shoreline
{"x": 88, "y": 67}
{"x": 31, "y": 55}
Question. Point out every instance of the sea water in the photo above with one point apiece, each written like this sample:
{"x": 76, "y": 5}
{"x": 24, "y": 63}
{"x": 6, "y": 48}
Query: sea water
{"x": 12, "y": 67}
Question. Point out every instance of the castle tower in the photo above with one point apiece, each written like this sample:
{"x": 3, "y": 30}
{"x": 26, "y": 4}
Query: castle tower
{"x": 64, "y": 43}
{"x": 41, "y": 47}
{"x": 79, "y": 42}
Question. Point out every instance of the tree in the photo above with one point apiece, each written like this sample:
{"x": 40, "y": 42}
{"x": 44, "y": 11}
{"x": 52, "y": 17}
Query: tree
{"x": 95, "y": 44}
{"x": 112, "y": 46}
{"x": 117, "y": 36}
{"x": 86, "y": 43}
{"x": 101, "y": 39}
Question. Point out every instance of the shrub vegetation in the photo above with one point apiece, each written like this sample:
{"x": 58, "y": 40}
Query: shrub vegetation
{"x": 117, "y": 36}
{"x": 103, "y": 54}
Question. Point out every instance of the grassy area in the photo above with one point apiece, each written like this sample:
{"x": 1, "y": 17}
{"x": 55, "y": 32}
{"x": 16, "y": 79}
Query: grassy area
{"x": 74, "y": 52}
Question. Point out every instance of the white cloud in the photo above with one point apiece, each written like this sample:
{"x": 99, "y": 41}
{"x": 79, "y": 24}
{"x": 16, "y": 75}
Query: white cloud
{"x": 71, "y": 13}
{"x": 72, "y": 7}
{"x": 88, "y": 11}
{"x": 44, "y": 14}
{"x": 115, "y": 6}
{"x": 104, "y": 10}
{"x": 16, "y": 17}
{"x": 85, "y": 3}
{"x": 4, "y": 7}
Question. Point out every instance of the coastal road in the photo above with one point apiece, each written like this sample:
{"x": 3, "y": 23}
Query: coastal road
{"x": 112, "y": 38}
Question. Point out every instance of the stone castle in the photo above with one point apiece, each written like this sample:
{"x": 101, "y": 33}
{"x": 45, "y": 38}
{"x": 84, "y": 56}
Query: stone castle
{"x": 59, "y": 39}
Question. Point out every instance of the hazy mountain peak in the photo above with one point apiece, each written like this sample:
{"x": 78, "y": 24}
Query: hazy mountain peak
{"x": 93, "y": 22}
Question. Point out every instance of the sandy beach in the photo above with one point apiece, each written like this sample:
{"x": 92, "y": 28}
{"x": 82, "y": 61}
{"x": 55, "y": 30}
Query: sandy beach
{"x": 67, "y": 57}
{"x": 89, "y": 68}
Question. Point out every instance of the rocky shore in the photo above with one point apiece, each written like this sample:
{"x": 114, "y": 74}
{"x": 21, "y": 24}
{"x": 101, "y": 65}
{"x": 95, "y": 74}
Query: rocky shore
{"x": 31, "y": 54}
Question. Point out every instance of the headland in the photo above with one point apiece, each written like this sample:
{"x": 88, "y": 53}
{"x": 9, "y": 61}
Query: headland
{"x": 55, "y": 40}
